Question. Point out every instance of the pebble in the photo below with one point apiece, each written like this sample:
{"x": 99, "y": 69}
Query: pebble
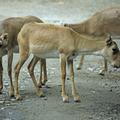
{"x": 2, "y": 108}
{"x": 111, "y": 90}
{"x": 6, "y": 83}
{"x": 90, "y": 69}
{"x": 91, "y": 118}
{"x": 93, "y": 91}
{"x": 45, "y": 98}
{"x": 7, "y": 119}
{"x": 68, "y": 78}
{"x": 106, "y": 84}
{"x": 13, "y": 99}
{"x": 2, "y": 102}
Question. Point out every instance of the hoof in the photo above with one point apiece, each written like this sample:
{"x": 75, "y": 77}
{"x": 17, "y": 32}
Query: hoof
{"x": 76, "y": 98}
{"x": 1, "y": 87}
{"x": 44, "y": 82}
{"x": 18, "y": 97}
{"x": 39, "y": 85}
{"x": 40, "y": 94}
{"x": 11, "y": 92}
{"x": 65, "y": 99}
{"x": 102, "y": 72}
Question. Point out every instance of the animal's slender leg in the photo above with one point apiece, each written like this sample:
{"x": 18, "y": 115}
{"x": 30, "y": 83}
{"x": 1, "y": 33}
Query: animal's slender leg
{"x": 1, "y": 75}
{"x": 10, "y": 59}
{"x": 31, "y": 72}
{"x": 74, "y": 91}
{"x": 22, "y": 59}
{"x": 81, "y": 62}
{"x": 40, "y": 79}
{"x": 105, "y": 68}
{"x": 44, "y": 79}
{"x": 63, "y": 77}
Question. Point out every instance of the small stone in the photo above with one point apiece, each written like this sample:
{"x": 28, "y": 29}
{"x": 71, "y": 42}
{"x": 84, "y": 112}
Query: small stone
{"x": 10, "y": 113}
{"x": 2, "y": 108}
{"x": 46, "y": 86}
{"x": 6, "y": 83}
{"x": 111, "y": 90}
{"x": 91, "y": 69}
{"x": 68, "y": 78}
{"x": 90, "y": 117}
{"x": 13, "y": 99}
{"x": 45, "y": 98}
{"x": 93, "y": 91}
{"x": 2, "y": 102}
{"x": 7, "y": 119}
{"x": 7, "y": 104}
{"x": 106, "y": 84}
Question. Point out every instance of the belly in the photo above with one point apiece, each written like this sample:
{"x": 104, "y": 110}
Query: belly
{"x": 44, "y": 51}
{"x": 50, "y": 54}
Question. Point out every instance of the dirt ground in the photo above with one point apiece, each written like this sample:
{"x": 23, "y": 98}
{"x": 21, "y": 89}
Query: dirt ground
{"x": 100, "y": 95}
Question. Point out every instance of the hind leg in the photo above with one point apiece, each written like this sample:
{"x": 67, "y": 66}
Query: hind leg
{"x": 40, "y": 79}
{"x": 1, "y": 75}
{"x": 81, "y": 62}
{"x": 22, "y": 59}
{"x": 10, "y": 59}
{"x": 31, "y": 66}
{"x": 105, "y": 68}
{"x": 44, "y": 79}
{"x": 63, "y": 77}
{"x": 74, "y": 91}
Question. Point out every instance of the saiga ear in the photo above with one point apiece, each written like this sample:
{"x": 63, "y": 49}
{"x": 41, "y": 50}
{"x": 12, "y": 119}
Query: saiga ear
{"x": 4, "y": 36}
{"x": 4, "y": 39}
{"x": 109, "y": 40}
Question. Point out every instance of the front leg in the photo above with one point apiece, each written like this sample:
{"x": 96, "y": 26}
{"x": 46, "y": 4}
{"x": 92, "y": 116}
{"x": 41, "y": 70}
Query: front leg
{"x": 74, "y": 91}
{"x": 10, "y": 59}
{"x": 81, "y": 63}
{"x": 105, "y": 68}
{"x": 43, "y": 64}
{"x": 22, "y": 59}
{"x": 43, "y": 72}
{"x": 1, "y": 75}
{"x": 63, "y": 77}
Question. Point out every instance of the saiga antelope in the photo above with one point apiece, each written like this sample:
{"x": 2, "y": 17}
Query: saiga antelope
{"x": 9, "y": 29}
{"x": 53, "y": 41}
{"x": 101, "y": 23}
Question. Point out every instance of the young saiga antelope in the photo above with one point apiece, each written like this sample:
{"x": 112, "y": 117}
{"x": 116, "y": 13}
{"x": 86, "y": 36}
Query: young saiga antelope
{"x": 53, "y": 41}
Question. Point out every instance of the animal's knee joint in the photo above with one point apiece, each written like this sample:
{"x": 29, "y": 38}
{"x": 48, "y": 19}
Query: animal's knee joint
{"x": 30, "y": 70}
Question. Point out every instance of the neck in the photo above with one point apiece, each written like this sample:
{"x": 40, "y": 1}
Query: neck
{"x": 79, "y": 28}
{"x": 88, "y": 44}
